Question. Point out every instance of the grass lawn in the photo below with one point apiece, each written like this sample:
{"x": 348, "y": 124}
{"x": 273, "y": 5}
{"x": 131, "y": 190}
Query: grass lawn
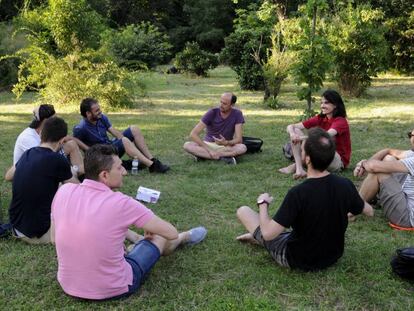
{"x": 220, "y": 273}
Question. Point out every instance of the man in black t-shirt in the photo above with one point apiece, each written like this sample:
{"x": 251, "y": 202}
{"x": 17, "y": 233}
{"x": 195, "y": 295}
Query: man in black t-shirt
{"x": 36, "y": 180}
{"x": 316, "y": 210}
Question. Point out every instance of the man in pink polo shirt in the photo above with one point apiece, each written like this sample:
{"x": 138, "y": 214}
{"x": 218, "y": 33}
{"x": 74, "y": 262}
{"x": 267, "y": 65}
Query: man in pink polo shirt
{"x": 91, "y": 222}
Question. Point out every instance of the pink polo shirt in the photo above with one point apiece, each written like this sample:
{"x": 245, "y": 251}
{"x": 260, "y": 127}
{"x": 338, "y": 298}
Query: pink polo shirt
{"x": 91, "y": 222}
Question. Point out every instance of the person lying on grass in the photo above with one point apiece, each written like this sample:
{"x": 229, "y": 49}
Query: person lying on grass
{"x": 390, "y": 179}
{"x": 224, "y": 136}
{"x": 30, "y": 138}
{"x": 332, "y": 118}
{"x": 36, "y": 180}
{"x": 91, "y": 223}
{"x": 316, "y": 210}
{"x": 93, "y": 128}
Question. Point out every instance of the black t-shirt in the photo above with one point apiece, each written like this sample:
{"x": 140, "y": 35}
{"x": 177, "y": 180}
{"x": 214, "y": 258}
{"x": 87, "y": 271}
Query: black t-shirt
{"x": 36, "y": 180}
{"x": 317, "y": 212}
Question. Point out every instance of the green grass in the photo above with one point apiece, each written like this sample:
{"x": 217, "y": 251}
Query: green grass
{"x": 220, "y": 273}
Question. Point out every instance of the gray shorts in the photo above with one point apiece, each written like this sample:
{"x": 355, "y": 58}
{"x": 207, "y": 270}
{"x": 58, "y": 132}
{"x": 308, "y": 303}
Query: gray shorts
{"x": 336, "y": 164}
{"x": 275, "y": 247}
{"x": 394, "y": 201}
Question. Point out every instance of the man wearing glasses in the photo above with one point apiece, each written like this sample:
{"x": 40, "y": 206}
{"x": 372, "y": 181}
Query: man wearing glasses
{"x": 390, "y": 178}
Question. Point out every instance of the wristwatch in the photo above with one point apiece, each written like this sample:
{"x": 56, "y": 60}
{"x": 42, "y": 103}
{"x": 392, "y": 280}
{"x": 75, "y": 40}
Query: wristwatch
{"x": 259, "y": 202}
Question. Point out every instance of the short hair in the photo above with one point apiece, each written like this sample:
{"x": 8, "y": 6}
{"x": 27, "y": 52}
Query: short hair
{"x": 233, "y": 98}
{"x": 334, "y": 98}
{"x": 40, "y": 113}
{"x": 98, "y": 158}
{"x": 86, "y": 105}
{"x": 320, "y": 147}
{"x": 54, "y": 130}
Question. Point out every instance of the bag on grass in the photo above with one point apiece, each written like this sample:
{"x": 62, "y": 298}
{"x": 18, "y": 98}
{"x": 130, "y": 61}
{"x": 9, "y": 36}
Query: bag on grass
{"x": 403, "y": 263}
{"x": 253, "y": 144}
{"x": 287, "y": 151}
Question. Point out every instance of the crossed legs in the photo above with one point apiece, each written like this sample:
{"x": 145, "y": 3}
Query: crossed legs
{"x": 250, "y": 220}
{"x": 228, "y": 151}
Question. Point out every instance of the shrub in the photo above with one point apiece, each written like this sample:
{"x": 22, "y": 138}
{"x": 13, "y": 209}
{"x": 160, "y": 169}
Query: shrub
{"x": 194, "y": 60}
{"x": 65, "y": 81}
{"x": 137, "y": 46}
{"x": 252, "y": 33}
{"x": 359, "y": 46}
{"x": 275, "y": 69}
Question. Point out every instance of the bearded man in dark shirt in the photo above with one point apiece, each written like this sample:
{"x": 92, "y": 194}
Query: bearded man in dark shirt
{"x": 317, "y": 210}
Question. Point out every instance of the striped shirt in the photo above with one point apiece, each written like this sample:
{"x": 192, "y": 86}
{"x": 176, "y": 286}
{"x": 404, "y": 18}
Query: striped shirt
{"x": 408, "y": 185}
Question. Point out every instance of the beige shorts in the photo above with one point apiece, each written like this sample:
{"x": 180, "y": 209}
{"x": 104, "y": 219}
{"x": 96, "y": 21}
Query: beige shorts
{"x": 394, "y": 201}
{"x": 336, "y": 164}
{"x": 214, "y": 146}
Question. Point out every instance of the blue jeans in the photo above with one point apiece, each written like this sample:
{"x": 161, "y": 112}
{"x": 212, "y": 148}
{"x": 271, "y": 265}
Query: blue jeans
{"x": 142, "y": 258}
{"x": 117, "y": 143}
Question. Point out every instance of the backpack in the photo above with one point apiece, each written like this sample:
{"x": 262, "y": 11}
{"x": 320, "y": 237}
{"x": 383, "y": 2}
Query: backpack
{"x": 403, "y": 263}
{"x": 287, "y": 151}
{"x": 253, "y": 144}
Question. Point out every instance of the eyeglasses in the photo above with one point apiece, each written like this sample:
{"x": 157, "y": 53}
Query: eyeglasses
{"x": 410, "y": 134}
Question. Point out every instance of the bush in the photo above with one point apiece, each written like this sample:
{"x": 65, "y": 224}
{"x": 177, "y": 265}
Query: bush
{"x": 401, "y": 36}
{"x": 137, "y": 46}
{"x": 9, "y": 44}
{"x": 359, "y": 46}
{"x": 252, "y": 33}
{"x": 194, "y": 60}
{"x": 67, "y": 80}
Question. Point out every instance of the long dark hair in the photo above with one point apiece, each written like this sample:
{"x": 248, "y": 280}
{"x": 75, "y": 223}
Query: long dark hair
{"x": 334, "y": 98}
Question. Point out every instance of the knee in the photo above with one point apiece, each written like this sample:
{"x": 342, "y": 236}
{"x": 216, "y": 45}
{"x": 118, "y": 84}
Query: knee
{"x": 70, "y": 146}
{"x": 389, "y": 158}
{"x": 243, "y": 148}
{"x": 187, "y": 146}
{"x": 241, "y": 211}
{"x": 135, "y": 130}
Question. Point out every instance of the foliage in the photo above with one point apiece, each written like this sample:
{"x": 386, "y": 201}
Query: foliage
{"x": 65, "y": 81}
{"x": 137, "y": 46}
{"x": 359, "y": 46}
{"x": 210, "y": 21}
{"x": 275, "y": 69}
{"x": 252, "y": 34}
{"x": 195, "y": 60}
{"x": 400, "y": 35}
{"x": 306, "y": 36}
{"x": 8, "y": 45}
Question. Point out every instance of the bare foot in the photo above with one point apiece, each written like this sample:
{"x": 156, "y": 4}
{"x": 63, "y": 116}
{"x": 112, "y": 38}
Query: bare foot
{"x": 288, "y": 169}
{"x": 247, "y": 237}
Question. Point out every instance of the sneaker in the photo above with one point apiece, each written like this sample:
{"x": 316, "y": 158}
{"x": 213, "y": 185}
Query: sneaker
{"x": 198, "y": 159}
{"x": 158, "y": 167}
{"x": 196, "y": 235}
{"x": 229, "y": 160}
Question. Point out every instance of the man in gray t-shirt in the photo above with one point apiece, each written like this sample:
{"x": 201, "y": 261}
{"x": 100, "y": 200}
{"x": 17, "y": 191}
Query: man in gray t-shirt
{"x": 224, "y": 133}
{"x": 391, "y": 176}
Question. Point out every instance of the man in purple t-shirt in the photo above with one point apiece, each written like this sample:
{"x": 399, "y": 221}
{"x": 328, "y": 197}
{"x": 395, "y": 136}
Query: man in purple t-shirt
{"x": 224, "y": 133}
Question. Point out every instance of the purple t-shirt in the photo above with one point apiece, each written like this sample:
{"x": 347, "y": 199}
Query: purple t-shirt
{"x": 216, "y": 125}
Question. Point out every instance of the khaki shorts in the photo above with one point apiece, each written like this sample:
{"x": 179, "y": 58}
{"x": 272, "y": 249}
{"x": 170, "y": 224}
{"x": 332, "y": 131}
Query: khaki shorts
{"x": 214, "y": 146}
{"x": 394, "y": 201}
{"x": 336, "y": 164}
{"x": 44, "y": 239}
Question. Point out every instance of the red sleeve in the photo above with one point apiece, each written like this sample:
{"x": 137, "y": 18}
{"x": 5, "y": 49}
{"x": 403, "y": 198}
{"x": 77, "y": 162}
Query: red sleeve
{"x": 340, "y": 125}
{"x": 312, "y": 122}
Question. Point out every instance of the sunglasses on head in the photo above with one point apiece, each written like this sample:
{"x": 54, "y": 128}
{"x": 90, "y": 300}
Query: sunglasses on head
{"x": 410, "y": 134}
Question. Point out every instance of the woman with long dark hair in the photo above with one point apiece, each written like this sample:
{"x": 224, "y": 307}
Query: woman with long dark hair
{"x": 332, "y": 119}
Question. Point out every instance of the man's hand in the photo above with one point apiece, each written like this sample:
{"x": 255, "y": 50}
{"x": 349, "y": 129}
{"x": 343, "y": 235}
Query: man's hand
{"x": 220, "y": 141}
{"x": 266, "y": 197}
{"x": 359, "y": 170}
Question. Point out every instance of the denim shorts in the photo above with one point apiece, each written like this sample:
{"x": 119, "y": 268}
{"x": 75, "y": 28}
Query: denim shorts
{"x": 117, "y": 143}
{"x": 142, "y": 258}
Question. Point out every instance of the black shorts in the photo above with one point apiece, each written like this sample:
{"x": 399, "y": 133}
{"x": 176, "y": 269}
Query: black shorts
{"x": 275, "y": 247}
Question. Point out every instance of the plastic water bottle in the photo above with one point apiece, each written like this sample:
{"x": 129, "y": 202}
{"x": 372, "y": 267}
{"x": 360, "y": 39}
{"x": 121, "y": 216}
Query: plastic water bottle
{"x": 134, "y": 169}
